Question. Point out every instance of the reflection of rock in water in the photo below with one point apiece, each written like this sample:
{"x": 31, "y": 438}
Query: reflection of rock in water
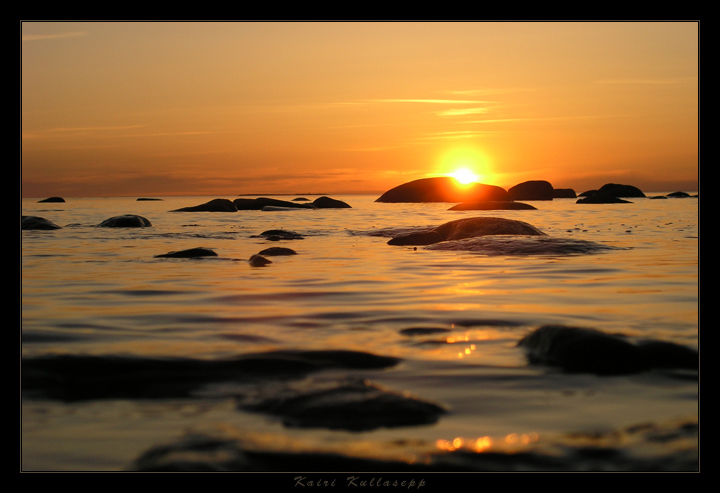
{"x": 523, "y": 245}
{"x": 354, "y": 405}
{"x": 674, "y": 447}
{"x": 590, "y": 351}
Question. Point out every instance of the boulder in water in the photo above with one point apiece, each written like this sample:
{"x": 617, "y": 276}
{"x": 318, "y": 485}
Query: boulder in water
{"x": 215, "y": 205}
{"x": 492, "y": 205}
{"x": 36, "y": 222}
{"x": 189, "y": 253}
{"x": 125, "y": 221}
{"x": 328, "y": 203}
{"x": 467, "y": 228}
{"x": 532, "y": 190}
{"x": 258, "y": 261}
{"x": 52, "y": 199}
{"x": 581, "y": 350}
{"x": 443, "y": 189}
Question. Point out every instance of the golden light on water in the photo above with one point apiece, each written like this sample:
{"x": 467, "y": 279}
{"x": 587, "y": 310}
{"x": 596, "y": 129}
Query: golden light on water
{"x": 485, "y": 443}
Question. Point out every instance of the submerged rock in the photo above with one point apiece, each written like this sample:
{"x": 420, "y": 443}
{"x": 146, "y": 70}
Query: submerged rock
{"x": 52, "y": 199}
{"x": 36, "y": 222}
{"x": 491, "y": 205}
{"x": 190, "y": 253}
{"x": 258, "y": 261}
{"x": 215, "y": 205}
{"x": 125, "y": 221}
{"x": 261, "y": 203}
{"x": 467, "y": 228}
{"x": 279, "y": 234}
{"x": 355, "y": 405}
{"x": 443, "y": 189}
{"x": 580, "y": 350}
{"x": 277, "y": 251}
{"x": 511, "y": 245}
{"x": 88, "y": 377}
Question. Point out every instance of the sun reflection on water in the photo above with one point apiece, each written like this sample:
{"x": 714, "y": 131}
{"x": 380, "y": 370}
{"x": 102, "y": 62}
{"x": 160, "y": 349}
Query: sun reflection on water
{"x": 484, "y": 443}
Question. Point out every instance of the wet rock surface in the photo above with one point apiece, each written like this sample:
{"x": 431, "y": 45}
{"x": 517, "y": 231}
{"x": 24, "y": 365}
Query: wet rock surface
{"x": 36, "y": 222}
{"x": 189, "y": 253}
{"x": 125, "y": 221}
{"x": 582, "y": 350}
{"x": 467, "y": 228}
{"x": 355, "y": 405}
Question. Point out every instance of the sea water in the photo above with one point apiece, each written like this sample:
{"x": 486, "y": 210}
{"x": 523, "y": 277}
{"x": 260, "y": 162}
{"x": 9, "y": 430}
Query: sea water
{"x": 450, "y": 318}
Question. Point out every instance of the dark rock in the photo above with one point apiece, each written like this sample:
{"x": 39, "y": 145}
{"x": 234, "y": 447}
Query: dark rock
{"x": 52, "y": 199}
{"x": 215, "y": 205}
{"x": 658, "y": 197}
{"x": 491, "y": 206}
{"x": 277, "y": 251}
{"x": 190, "y": 253}
{"x": 564, "y": 193}
{"x": 258, "y": 261}
{"x": 443, "y": 189}
{"x": 467, "y": 228}
{"x": 602, "y": 199}
{"x": 328, "y": 203}
{"x": 679, "y": 195}
{"x": 279, "y": 234}
{"x": 147, "y": 199}
{"x": 86, "y": 377}
{"x": 532, "y": 190}
{"x": 301, "y": 199}
{"x": 125, "y": 221}
{"x": 615, "y": 190}
{"x": 583, "y": 350}
{"x": 355, "y": 405}
{"x": 35, "y": 222}
{"x": 261, "y": 202}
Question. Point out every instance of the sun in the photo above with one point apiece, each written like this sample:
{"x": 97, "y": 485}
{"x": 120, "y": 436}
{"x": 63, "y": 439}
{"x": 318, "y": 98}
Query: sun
{"x": 464, "y": 176}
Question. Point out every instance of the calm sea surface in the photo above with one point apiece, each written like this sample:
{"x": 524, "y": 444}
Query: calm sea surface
{"x": 100, "y": 294}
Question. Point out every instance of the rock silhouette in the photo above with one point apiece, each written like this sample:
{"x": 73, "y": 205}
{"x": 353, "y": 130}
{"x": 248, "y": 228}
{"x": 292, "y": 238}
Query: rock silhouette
{"x": 125, "y": 221}
{"x": 532, "y": 190}
{"x": 443, "y": 189}
{"x": 52, "y": 199}
{"x": 492, "y": 205}
{"x": 215, "y": 205}
{"x": 189, "y": 253}
{"x": 36, "y": 222}
{"x": 467, "y": 228}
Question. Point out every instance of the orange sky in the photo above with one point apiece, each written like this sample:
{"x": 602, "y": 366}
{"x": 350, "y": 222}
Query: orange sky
{"x": 140, "y": 109}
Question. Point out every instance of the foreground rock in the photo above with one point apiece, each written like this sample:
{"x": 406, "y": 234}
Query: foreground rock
{"x": 125, "y": 221}
{"x": 215, "y": 205}
{"x": 52, "y": 199}
{"x": 355, "y": 405}
{"x": 467, "y": 228}
{"x": 494, "y": 205}
{"x": 443, "y": 189}
{"x": 581, "y": 350}
{"x": 36, "y": 222}
{"x": 87, "y": 377}
{"x": 190, "y": 253}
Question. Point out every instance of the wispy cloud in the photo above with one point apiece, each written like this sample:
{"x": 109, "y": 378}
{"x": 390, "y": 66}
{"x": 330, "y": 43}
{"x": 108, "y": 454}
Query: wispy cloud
{"x": 672, "y": 80}
{"x": 37, "y": 37}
